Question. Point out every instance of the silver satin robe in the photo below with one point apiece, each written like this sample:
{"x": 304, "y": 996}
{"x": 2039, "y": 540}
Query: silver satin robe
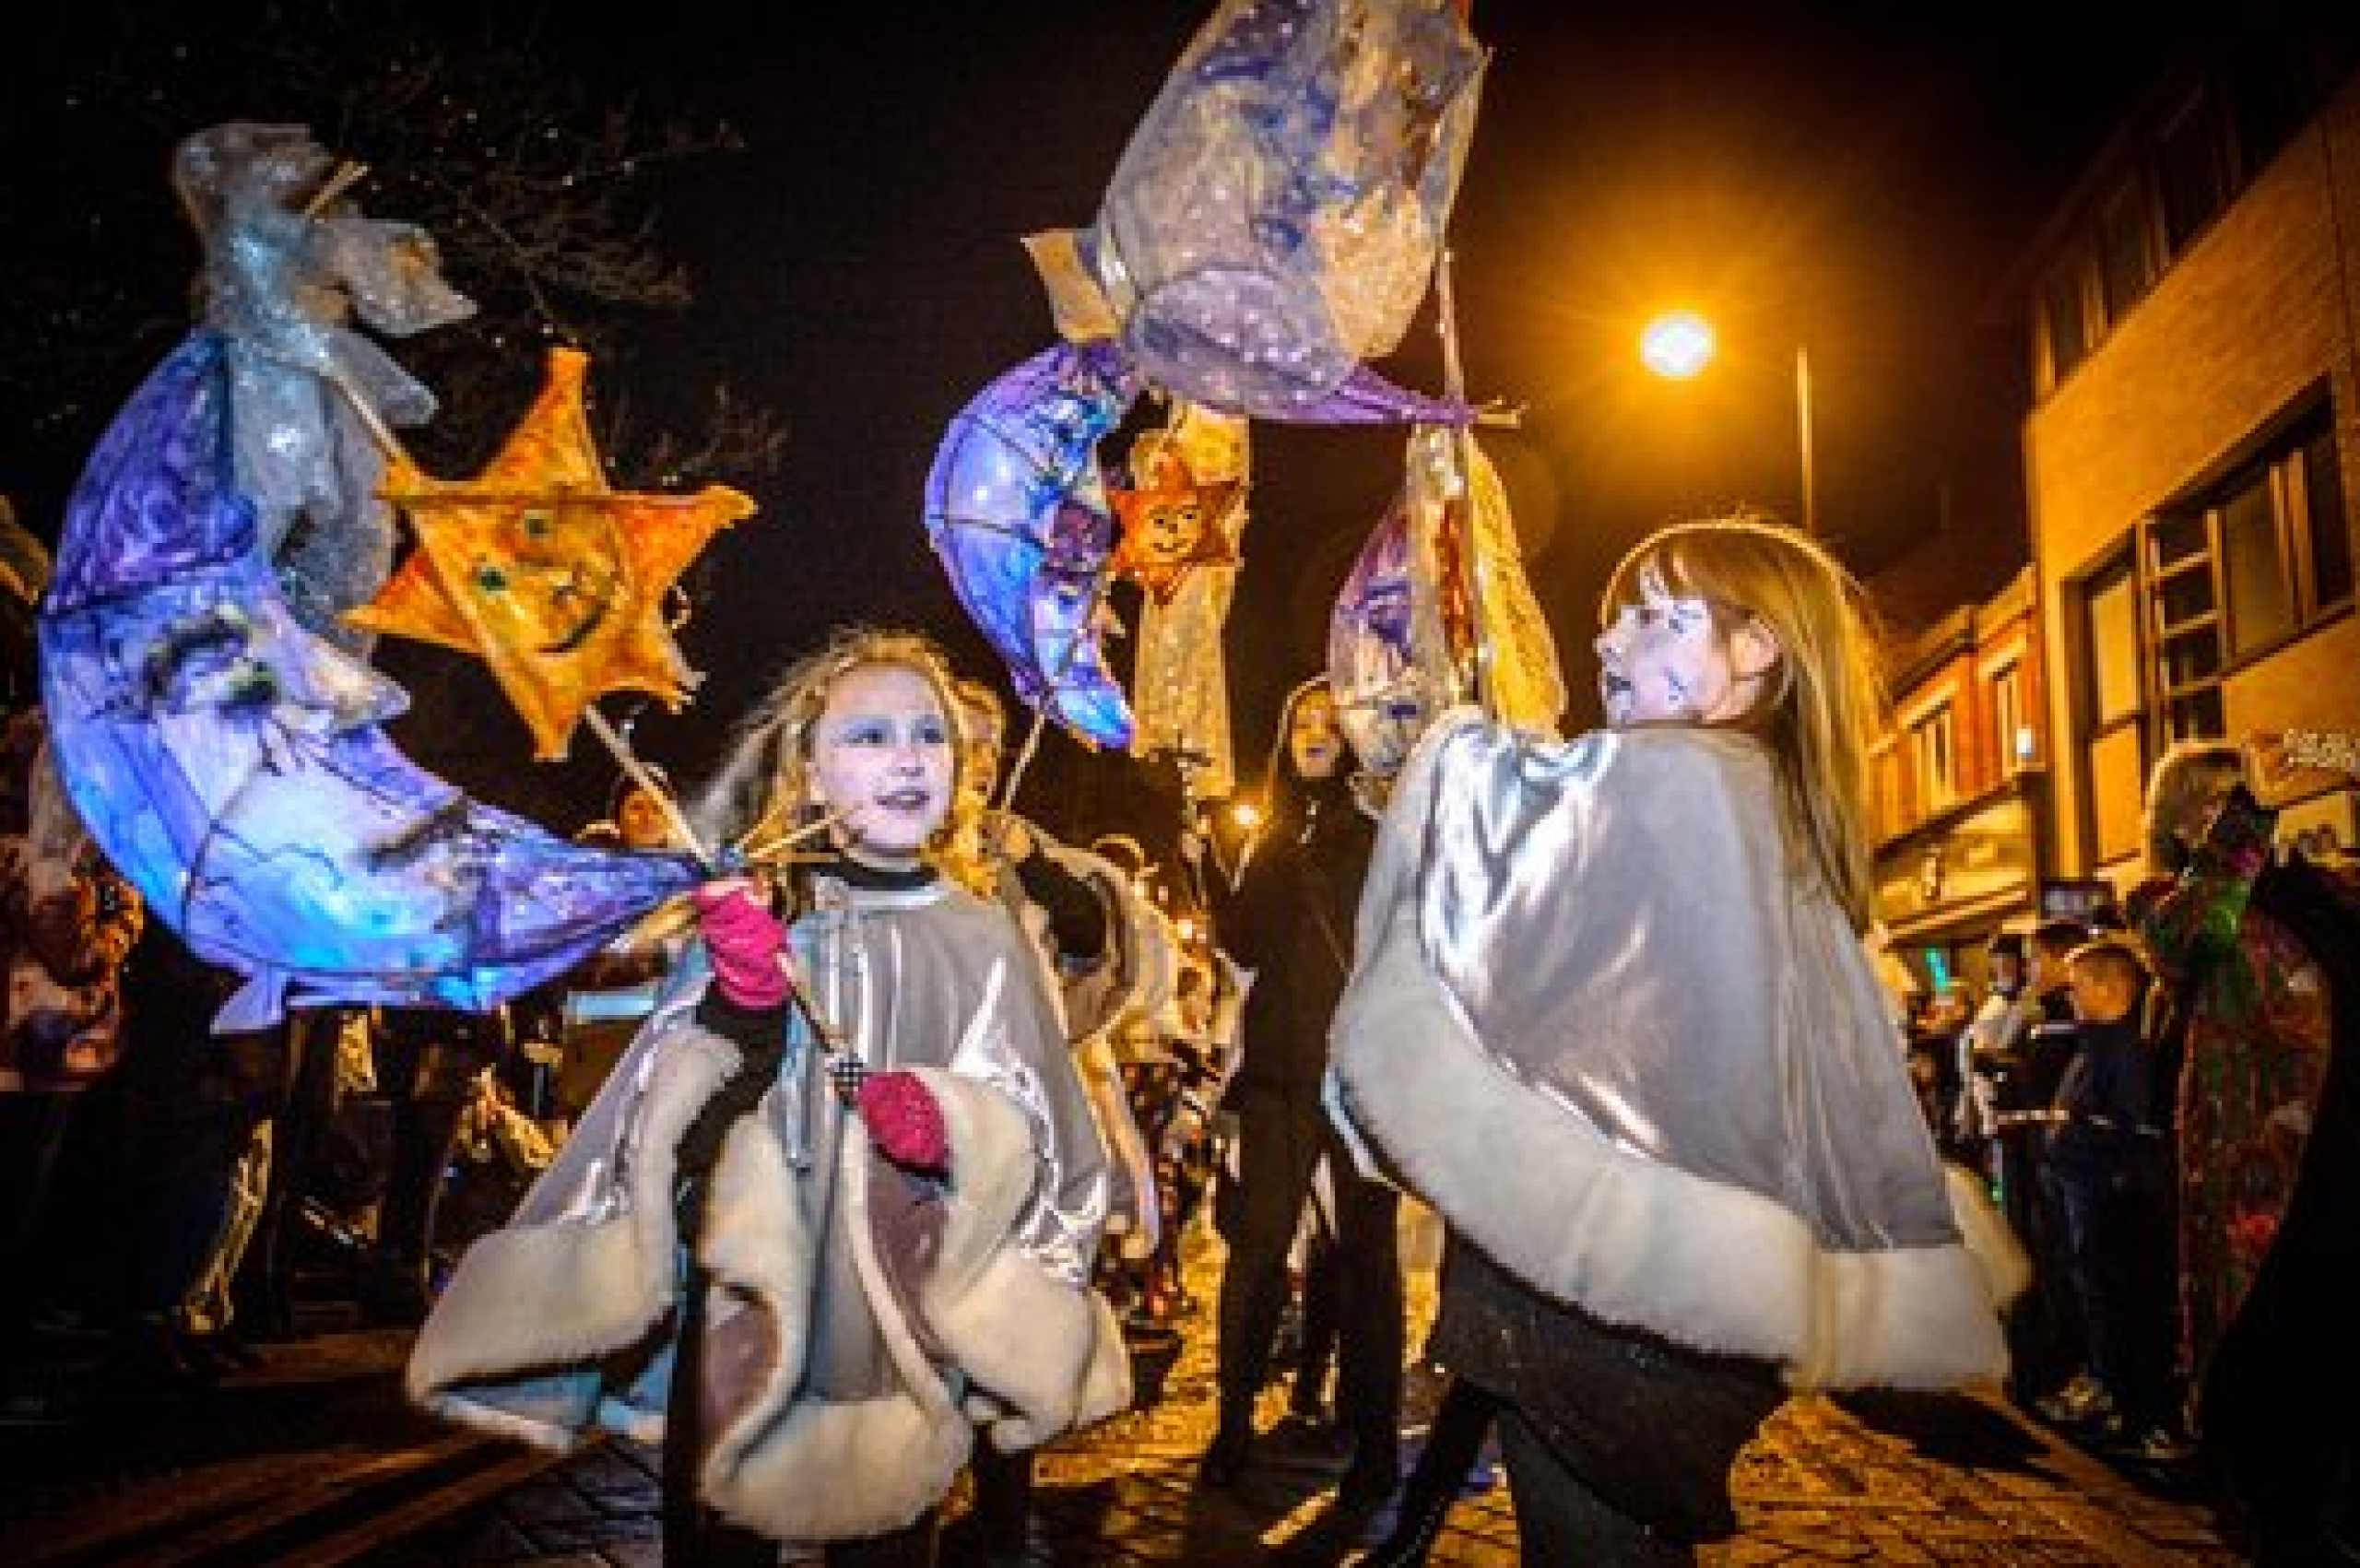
{"x": 1605, "y": 1021}
{"x": 881, "y": 1321}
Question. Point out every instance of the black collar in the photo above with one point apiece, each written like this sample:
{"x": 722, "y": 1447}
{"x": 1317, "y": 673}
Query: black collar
{"x": 877, "y": 878}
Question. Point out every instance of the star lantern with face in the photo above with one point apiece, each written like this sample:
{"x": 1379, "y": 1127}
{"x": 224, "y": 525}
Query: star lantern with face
{"x": 1171, "y": 519}
{"x": 556, "y": 580}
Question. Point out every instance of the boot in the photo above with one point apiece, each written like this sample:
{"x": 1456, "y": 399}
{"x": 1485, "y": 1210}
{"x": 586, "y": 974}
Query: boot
{"x": 1415, "y": 1529}
{"x": 1454, "y": 1441}
{"x": 1226, "y": 1455}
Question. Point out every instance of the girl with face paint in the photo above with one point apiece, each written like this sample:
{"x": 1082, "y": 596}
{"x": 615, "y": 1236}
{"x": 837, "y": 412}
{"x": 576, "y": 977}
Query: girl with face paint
{"x": 749, "y": 1246}
{"x": 1668, "y": 658}
{"x": 1612, "y": 1015}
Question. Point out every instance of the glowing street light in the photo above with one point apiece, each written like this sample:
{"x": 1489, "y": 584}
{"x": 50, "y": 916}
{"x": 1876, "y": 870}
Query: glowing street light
{"x": 1679, "y": 344}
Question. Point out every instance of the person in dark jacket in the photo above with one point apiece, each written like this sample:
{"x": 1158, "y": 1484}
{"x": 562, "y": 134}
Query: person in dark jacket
{"x": 2110, "y": 1161}
{"x": 2045, "y": 1341}
{"x": 1286, "y": 914}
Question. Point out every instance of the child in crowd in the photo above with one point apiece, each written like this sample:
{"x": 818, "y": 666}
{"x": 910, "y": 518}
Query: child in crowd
{"x": 837, "y": 1204}
{"x": 1612, "y": 1015}
{"x": 2110, "y": 1161}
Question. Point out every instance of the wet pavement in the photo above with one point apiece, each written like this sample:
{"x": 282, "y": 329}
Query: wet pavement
{"x": 312, "y": 1457}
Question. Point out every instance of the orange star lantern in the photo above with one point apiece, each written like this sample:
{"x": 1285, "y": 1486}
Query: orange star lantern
{"x": 1171, "y": 519}
{"x": 556, "y": 580}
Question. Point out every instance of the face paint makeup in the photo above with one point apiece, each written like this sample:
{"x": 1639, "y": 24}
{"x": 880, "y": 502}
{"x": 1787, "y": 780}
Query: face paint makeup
{"x": 1665, "y": 661}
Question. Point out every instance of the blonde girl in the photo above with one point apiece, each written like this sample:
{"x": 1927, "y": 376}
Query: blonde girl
{"x": 1611, "y": 1014}
{"x": 831, "y": 1216}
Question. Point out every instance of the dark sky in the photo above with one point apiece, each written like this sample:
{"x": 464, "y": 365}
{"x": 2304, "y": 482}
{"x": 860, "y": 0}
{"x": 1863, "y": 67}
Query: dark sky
{"x": 1849, "y": 180}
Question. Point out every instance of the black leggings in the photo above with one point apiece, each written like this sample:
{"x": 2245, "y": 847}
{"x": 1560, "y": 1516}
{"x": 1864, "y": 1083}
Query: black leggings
{"x": 1280, "y": 1143}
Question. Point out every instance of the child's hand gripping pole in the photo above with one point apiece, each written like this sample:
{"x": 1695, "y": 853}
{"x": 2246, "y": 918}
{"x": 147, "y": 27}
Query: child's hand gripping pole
{"x": 746, "y": 942}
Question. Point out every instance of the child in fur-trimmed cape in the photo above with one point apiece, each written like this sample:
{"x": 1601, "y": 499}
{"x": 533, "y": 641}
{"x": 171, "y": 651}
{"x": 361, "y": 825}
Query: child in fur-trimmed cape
{"x": 835, "y": 1208}
{"x": 1611, "y": 1015}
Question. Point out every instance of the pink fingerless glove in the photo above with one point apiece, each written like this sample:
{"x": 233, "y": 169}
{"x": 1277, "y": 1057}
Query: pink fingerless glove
{"x": 905, "y": 1121}
{"x": 747, "y": 944}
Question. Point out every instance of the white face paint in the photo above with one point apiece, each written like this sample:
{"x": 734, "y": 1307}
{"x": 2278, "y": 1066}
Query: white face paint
{"x": 881, "y": 757}
{"x": 1663, "y": 661}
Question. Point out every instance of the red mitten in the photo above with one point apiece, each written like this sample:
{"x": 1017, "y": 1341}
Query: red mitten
{"x": 905, "y": 1122}
{"x": 746, "y": 942}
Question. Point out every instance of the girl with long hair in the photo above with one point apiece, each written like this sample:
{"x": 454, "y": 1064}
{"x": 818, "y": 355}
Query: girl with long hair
{"x": 836, "y": 1207}
{"x": 1612, "y": 1015}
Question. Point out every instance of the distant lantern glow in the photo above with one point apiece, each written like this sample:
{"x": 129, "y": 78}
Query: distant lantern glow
{"x": 1247, "y": 815}
{"x": 1677, "y": 343}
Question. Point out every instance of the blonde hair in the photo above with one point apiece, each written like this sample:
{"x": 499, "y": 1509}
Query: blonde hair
{"x": 761, "y": 791}
{"x": 1826, "y": 702}
{"x": 976, "y": 695}
{"x": 963, "y": 849}
{"x": 2184, "y": 778}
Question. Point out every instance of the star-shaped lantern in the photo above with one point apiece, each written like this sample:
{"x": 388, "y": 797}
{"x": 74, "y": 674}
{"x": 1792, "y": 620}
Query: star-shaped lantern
{"x": 1171, "y": 519}
{"x": 538, "y": 565}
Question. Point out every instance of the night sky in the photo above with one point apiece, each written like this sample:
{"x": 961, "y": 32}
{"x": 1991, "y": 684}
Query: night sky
{"x": 1853, "y": 179}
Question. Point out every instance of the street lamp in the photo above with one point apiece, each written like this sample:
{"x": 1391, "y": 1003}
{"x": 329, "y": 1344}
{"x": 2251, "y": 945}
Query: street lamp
{"x": 1679, "y": 344}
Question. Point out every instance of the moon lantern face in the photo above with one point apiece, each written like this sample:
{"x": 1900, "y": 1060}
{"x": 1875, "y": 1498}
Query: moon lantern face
{"x": 1015, "y": 508}
{"x": 230, "y": 764}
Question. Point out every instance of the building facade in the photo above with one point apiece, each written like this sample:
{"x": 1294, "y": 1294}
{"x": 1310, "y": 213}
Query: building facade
{"x": 1963, "y": 787}
{"x": 2193, "y": 447}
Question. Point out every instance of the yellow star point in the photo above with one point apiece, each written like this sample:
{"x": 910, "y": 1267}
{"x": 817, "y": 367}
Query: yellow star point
{"x": 555, "y": 579}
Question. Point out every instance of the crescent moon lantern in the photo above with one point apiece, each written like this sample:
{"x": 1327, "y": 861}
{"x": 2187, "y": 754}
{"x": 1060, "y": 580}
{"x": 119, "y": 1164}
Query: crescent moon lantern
{"x": 1015, "y": 508}
{"x": 232, "y": 766}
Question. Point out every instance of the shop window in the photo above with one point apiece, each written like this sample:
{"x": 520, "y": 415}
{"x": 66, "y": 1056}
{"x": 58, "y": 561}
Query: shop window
{"x": 2014, "y": 741}
{"x": 1933, "y": 756}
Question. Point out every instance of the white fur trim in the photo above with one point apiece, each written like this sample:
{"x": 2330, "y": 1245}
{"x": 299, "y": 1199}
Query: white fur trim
{"x": 756, "y": 1244}
{"x": 1048, "y": 1350}
{"x": 841, "y": 1472}
{"x": 2007, "y": 1267}
{"x": 1050, "y": 1356}
{"x": 993, "y": 1167}
{"x": 1636, "y": 1240}
{"x": 544, "y": 1295}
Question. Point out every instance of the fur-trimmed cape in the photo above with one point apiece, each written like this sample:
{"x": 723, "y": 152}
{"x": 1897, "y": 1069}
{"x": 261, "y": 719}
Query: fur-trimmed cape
{"x": 560, "y": 1322}
{"x": 1600, "y": 1021}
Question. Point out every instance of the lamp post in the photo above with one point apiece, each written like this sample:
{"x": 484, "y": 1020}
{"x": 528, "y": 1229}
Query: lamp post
{"x": 1680, "y": 344}
{"x": 1802, "y": 439}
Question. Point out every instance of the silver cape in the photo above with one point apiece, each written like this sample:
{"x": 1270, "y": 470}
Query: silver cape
{"x": 855, "y": 1315}
{"x": 1602, "y": 1021}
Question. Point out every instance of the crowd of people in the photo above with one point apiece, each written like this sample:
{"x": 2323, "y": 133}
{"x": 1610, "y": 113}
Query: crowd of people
{"x": 871, "y": 1165}
{"x": 2152, "y": 1096}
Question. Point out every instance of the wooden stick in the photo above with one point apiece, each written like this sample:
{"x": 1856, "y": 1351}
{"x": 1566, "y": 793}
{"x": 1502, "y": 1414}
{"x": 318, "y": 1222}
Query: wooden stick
{"x": 1478, "y": 672}
{"x": 349, "y": 173}
{"x": 775, "y": 850}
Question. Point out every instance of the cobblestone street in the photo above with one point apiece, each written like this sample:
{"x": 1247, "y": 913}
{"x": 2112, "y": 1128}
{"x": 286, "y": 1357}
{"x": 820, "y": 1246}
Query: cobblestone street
{"x": 1891, "y": 1480}
{"x": 312, "y": 1457}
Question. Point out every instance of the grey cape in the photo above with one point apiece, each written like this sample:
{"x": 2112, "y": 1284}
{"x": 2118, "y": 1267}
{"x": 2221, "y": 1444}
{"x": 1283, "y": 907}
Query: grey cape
{"x": 862, "y": 1326}
{"x": 1605, "y": 1021}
